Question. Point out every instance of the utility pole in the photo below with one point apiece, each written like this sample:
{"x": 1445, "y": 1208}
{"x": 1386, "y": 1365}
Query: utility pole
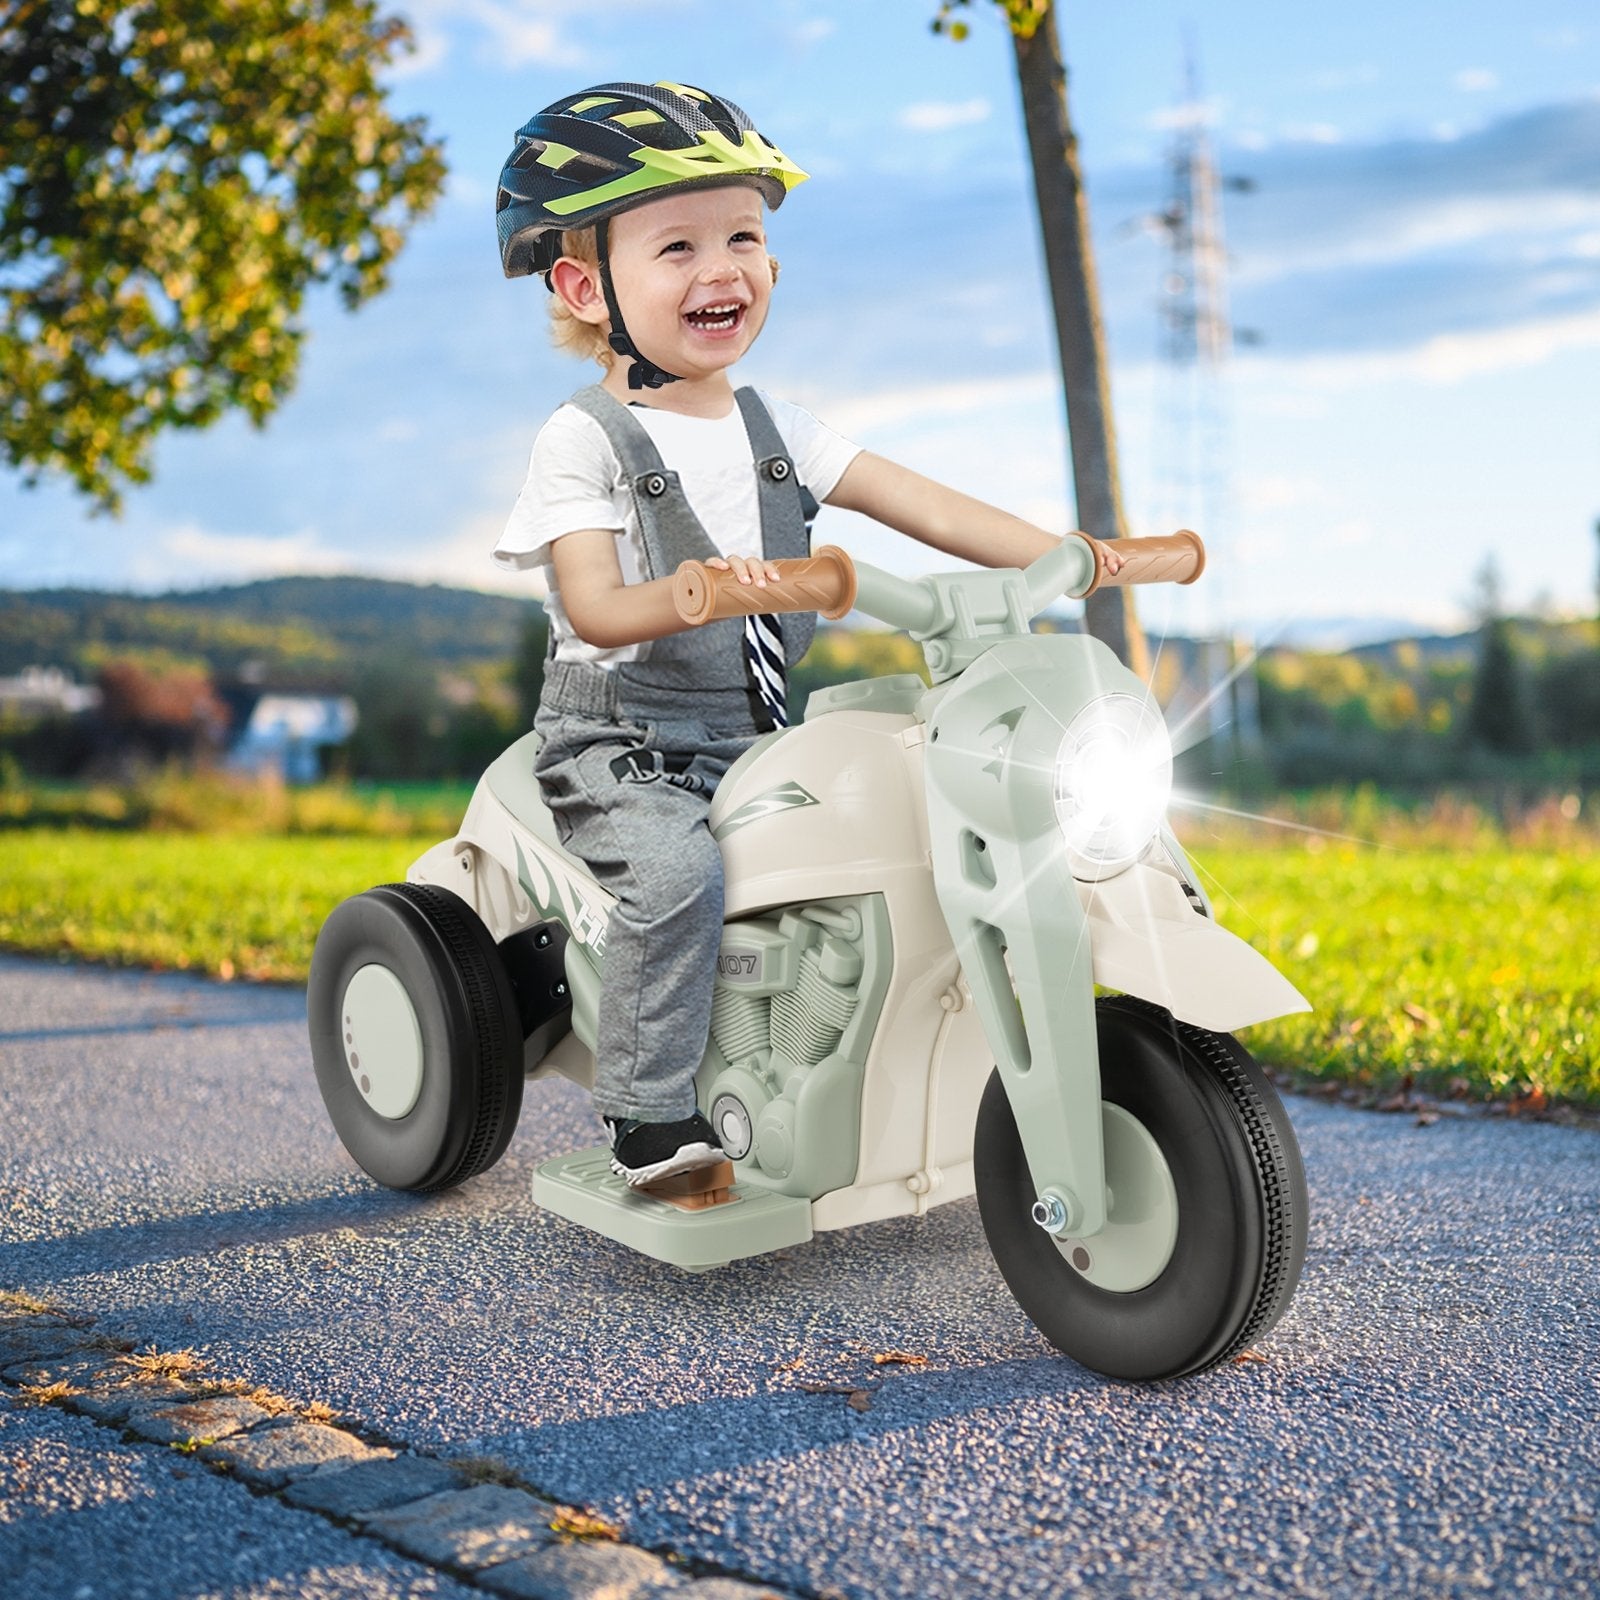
{"x": 1075, "y": 299}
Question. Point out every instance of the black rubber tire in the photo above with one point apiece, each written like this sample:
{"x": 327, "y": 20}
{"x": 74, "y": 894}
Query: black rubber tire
{"x": 1241, "y": 1193}
{"x": 472, "y": 1070}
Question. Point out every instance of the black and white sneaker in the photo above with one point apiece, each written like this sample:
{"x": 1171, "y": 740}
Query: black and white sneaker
{"x": 645, "y": 1152}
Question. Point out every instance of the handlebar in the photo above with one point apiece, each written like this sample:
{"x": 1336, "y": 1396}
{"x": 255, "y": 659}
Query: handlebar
{"x": 829, "y": 581}
{"x": 824, "y": 582}
{"x": 1167, "y": 558}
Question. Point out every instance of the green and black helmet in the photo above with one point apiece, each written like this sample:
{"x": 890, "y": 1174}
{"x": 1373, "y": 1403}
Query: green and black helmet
{"x": 597, "y": 152}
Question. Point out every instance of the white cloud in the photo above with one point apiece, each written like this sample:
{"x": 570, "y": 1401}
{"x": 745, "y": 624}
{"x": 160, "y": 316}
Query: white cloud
{"x": 1334, "y": 79}
{"x": 462, "y": 561}
{"x": 510, "y": 33}
{"x": 1191, "y": 114}
{"x": 1445, "y": 359}
{"x": 205, "y": 556}
{"x": 430, "y": 47}
{"x": 1279, "y": 492}
{"x": 936, "y": 116}
{"x": 1476, "y": 80}
{"x": 890, "y": 409}
{"x": 813, "y": 31}
{"x": 1425, "y": 226}
{"x": 209, "y": 557}
{"x": 1312, "y": 133}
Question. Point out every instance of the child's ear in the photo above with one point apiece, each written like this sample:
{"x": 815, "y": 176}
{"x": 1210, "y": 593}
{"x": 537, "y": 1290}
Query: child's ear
{"x": 579, "y": 289}
{"x": 772, "y": 261}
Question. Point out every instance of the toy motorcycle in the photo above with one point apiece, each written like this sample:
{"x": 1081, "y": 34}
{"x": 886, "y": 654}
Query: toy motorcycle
{"x": 924, "y": 888}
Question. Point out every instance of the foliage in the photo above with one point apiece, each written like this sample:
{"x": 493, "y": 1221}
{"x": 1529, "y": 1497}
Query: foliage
{"x": 174, "y": 801}
{"x": 1395, "y": 713}
{"x": 174, "y": 175}
{"x": 1023, "y": 17}
{"x": 295, "y": 629}
{"x": 1513, "y": 702}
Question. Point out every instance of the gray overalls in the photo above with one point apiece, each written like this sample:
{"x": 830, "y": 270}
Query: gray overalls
{"x": 629, "y": 758}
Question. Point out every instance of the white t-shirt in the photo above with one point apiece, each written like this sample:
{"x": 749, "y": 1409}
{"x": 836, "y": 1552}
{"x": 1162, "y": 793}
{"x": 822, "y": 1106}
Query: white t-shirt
{"x": 575, "y": 482}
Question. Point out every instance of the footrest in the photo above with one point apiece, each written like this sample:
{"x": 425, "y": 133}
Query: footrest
{"x": 751, "y": 1221}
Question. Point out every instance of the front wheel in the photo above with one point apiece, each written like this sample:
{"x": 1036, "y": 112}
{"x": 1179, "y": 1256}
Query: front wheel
{"x": 1206, "y": 1230}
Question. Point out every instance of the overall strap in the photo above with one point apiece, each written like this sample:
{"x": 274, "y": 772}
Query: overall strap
{"x": 784, "y": 524}
{"x": 668, "y": 528}
{"x": 786, "y": 510}
{"x": 636, "y": 450}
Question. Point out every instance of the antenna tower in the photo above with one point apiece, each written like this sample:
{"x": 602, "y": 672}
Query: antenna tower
{"x": 1193, "y": 445}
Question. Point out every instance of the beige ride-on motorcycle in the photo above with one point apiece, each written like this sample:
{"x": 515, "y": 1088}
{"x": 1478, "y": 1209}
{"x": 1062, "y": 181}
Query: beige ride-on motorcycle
{"x": 926, "y": 887}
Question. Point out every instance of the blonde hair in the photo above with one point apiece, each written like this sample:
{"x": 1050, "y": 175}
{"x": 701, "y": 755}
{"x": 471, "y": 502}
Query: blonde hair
{"x": 567, "y": 332}
{"x": 587, "y": 340}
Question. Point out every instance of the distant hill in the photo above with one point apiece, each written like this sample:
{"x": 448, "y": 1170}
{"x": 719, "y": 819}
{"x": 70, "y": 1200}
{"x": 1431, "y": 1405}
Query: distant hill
{"x": 294, "y": 629}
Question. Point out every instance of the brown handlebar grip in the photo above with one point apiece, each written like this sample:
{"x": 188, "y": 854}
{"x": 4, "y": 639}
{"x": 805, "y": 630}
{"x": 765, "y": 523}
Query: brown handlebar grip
{"x": 824, "y": 582}
{"x": 1172, "y": 558}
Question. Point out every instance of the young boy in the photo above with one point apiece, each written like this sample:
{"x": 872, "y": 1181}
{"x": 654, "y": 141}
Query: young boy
{"x": 641, "y": 205}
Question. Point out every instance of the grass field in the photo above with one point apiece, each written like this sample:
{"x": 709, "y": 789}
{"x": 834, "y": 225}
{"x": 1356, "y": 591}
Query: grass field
{"x": 1475, "y": 971}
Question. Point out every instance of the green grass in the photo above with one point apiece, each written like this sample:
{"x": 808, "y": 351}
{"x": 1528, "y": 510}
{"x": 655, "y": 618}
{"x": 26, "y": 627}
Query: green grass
{"x": 1473, "y": 970}
{"x": 233, "y": 905}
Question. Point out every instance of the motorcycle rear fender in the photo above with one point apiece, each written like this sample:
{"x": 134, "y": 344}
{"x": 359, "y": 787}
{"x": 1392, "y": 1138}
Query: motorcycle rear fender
{"x": 1150, "y": 940}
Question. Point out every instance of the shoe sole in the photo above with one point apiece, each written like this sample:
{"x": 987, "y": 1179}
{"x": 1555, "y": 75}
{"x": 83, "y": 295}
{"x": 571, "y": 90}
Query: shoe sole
{"x": 689, "y": 1159}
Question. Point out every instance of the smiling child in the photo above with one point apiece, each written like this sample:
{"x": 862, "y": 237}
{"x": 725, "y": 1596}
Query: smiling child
{"x": 642, "y": 206}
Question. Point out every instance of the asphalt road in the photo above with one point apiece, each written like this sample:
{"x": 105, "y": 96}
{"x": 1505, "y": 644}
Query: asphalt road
{"x": 1424, "y": 1421}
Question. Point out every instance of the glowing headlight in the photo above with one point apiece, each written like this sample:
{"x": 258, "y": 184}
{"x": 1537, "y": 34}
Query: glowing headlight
{"x": 1113, "y": 779}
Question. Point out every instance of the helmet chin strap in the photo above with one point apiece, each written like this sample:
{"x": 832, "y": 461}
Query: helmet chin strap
{"x": 644, "y": 373}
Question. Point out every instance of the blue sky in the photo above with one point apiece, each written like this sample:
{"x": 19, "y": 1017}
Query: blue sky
{"x": 1420, "y": 256}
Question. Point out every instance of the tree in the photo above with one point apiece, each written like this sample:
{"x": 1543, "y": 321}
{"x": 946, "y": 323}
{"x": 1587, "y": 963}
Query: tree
{"x": 1498, "y": 717}
{"x": 153, "y": 711}
{"x": 174, "y": 174}
{"x": 1075, "y": 299}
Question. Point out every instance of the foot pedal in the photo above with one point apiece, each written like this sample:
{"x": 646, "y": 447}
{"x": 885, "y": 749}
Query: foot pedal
{"x": 695, "y": 1190}
{"x": 690, "y": 1229}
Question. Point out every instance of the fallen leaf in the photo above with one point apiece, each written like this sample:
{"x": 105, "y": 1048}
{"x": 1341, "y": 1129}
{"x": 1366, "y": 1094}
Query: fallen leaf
{"x": 581, "y": 1525}
{"x": 900, "y": 1357}
{"x": 1249, "y": 1355}
{"x": 1533, "y": 1098}
{"x": 1423, "y": 1018}
{"x": 860, "y": 1400}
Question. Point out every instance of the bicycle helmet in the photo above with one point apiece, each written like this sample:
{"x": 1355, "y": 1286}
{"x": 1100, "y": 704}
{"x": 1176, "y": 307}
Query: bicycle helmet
{"x": 580, "y": 161}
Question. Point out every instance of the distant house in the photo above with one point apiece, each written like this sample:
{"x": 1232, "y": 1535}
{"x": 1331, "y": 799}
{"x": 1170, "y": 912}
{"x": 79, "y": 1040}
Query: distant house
{"x": 46, "y": 692}
{"x": 284, "y": 734}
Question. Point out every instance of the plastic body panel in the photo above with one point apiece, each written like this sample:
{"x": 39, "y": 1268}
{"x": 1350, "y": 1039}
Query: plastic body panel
{"x": 1149, "y": 940}
{"x": 835, "y": 808}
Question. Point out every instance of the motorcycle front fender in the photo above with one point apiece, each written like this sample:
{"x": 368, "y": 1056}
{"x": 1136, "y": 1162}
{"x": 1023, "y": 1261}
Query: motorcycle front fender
{"x": 1149, "y": 940}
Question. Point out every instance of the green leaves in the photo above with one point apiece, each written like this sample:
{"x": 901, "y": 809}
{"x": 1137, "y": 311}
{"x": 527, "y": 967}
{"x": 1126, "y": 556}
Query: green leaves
{"x": 174, "y": 175}
{"x": 1022, "y": 17}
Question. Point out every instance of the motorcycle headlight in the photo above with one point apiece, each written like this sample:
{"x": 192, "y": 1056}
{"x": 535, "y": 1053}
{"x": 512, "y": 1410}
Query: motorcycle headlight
{"x": 1113, "y": 780}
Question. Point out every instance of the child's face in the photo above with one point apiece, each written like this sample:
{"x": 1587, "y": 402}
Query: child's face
{"x": 692, "y": 277}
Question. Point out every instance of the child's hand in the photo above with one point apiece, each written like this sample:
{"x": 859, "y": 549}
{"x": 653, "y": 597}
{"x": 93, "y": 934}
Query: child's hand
{"x": 760, "y": 573}
{"x": 1109, "y": 559}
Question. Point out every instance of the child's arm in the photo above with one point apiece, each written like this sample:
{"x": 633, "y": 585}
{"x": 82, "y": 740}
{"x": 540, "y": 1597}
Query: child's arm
{"x": 939, "y": 516}
{"x": 606, "y": 612}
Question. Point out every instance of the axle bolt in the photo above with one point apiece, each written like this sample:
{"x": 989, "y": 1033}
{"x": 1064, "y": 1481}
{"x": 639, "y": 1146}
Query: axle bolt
{"x": 1056, "y": 1211}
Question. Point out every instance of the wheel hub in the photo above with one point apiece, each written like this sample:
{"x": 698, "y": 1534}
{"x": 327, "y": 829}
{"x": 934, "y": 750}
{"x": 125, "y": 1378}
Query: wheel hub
{"x": 382, "y": 1041}
{"x": 1134, "y": 1247}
